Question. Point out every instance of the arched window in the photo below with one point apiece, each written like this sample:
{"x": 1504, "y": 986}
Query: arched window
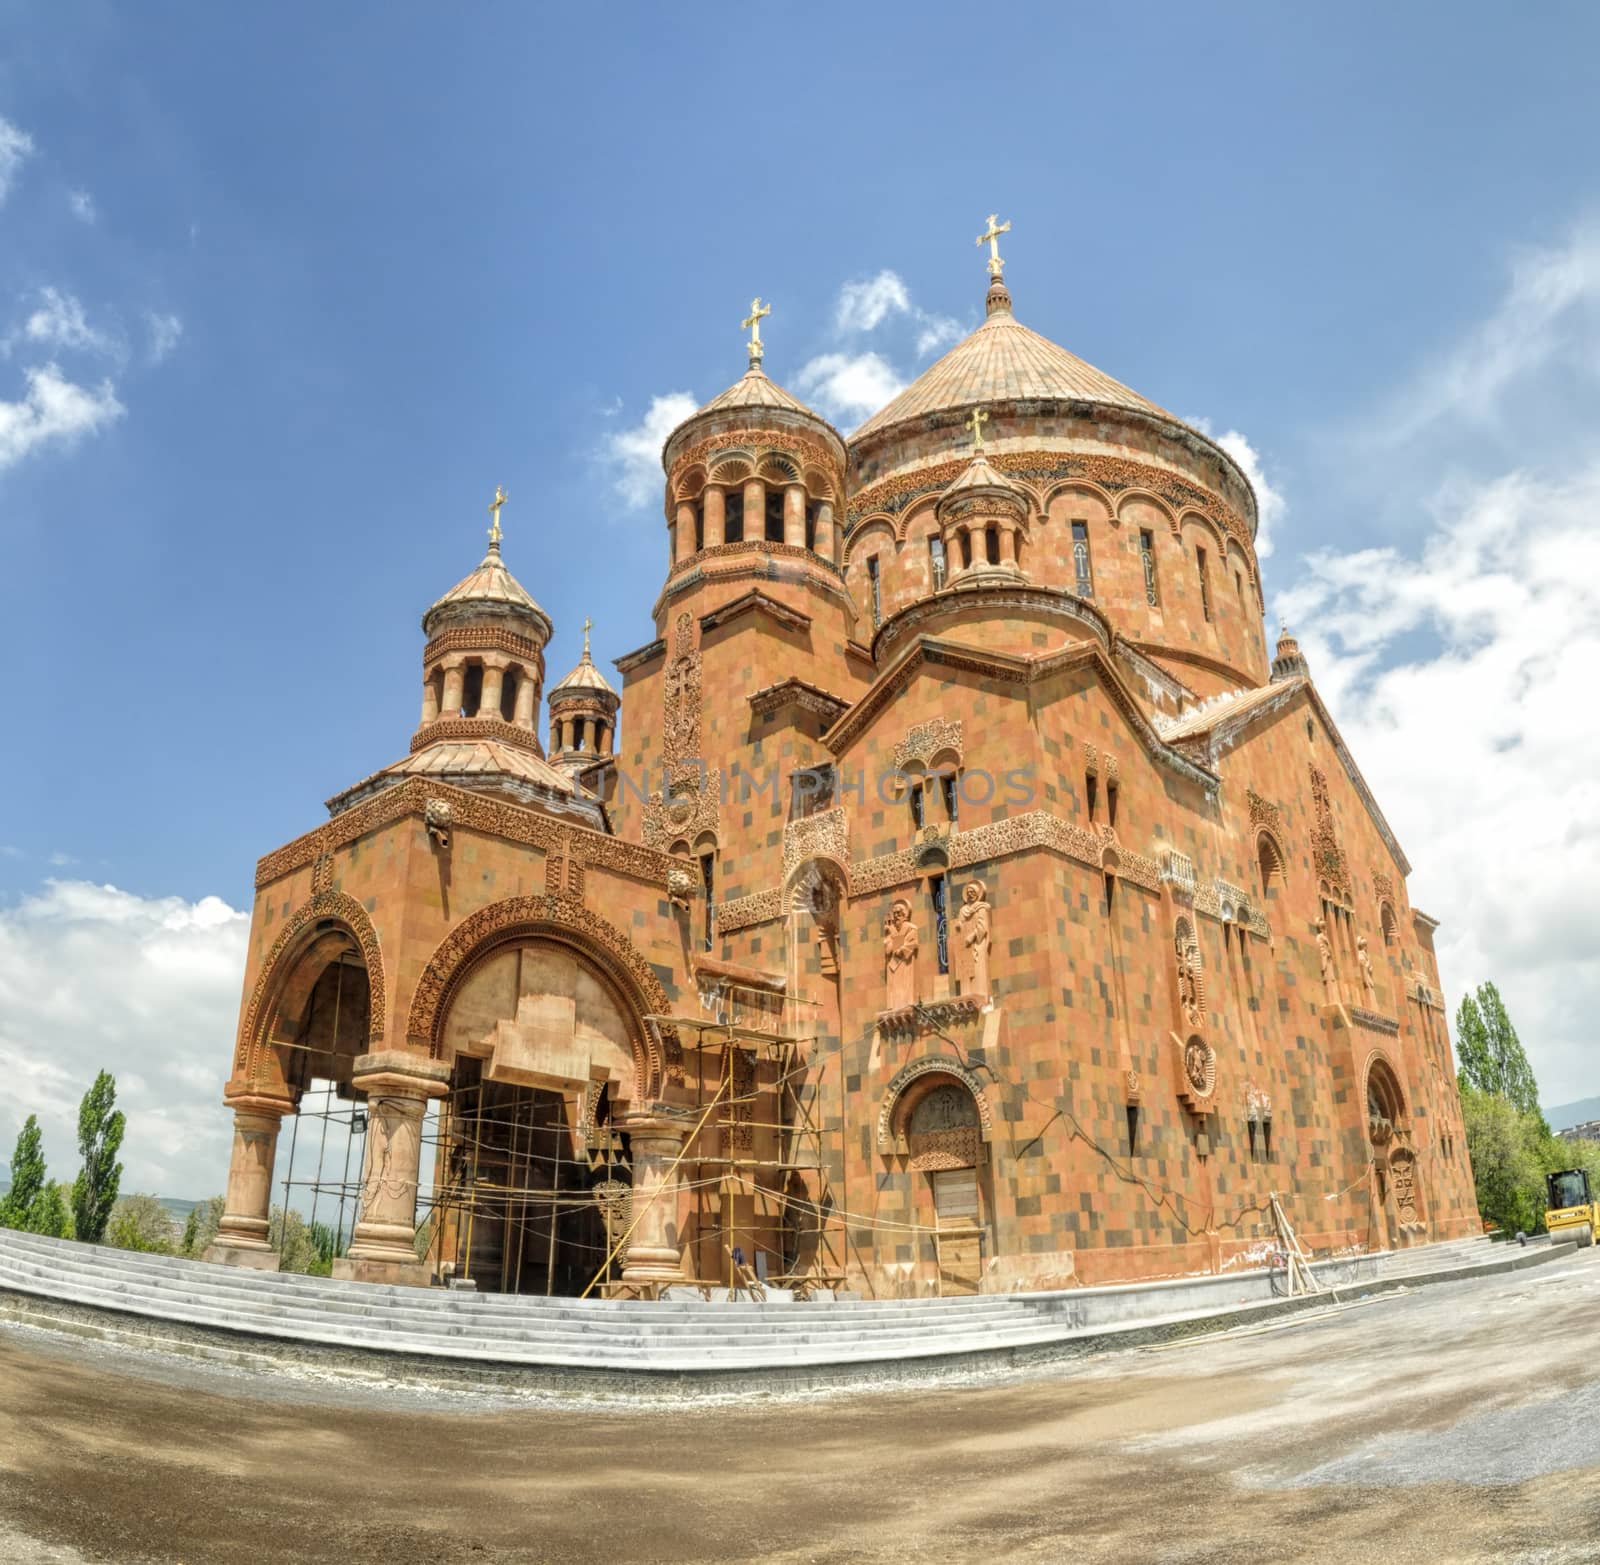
{"x": 1269, "y": 861}
{"x": 774, "y": 516}
{"x": 471, "y": 690}
{"x": 1082, "y": 569}
{"x": 508, "y": 693}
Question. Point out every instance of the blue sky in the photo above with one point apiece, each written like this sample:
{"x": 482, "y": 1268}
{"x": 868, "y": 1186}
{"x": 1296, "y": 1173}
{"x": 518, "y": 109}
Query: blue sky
{"x": 284, "y": 293}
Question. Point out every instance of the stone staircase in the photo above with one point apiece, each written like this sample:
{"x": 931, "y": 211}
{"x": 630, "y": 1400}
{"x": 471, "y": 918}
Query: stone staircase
{"x": 194, "y": 1307}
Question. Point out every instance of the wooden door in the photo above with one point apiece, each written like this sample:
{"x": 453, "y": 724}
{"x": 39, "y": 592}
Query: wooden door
{"x": 958, "y": 1239}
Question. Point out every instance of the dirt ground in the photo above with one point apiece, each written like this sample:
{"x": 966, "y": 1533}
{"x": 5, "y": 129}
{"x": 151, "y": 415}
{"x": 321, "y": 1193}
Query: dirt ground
{"x": 1460, "y": 1422}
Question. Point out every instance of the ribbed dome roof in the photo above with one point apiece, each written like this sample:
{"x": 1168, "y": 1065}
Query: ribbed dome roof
{"x": 491, "y": 583}
{"x": 978, "y": 475}
{"x": 754, "y": 390}
{"x": 1003, "y": 361}
{"x": 584, "y": 677}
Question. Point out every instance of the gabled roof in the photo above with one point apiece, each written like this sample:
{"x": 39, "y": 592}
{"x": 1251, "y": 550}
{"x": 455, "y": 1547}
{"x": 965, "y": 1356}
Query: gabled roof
{"x": 1205, "y": 734}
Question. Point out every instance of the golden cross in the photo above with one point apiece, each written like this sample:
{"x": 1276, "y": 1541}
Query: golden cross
{"x": 758, "y": 312}
{"x": 975, "y": 424}
{"x": 588, "y": 625}
{"x": 991, "y": 237}
{"x": 500, "y": 498}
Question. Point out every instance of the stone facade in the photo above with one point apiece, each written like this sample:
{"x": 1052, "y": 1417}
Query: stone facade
{"x": 963, "y": 897}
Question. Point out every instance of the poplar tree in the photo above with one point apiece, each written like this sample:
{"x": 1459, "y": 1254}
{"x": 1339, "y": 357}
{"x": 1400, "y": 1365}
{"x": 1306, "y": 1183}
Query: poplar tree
{"x": 100, "y": 1128}
{"x": 27, "y": 1178}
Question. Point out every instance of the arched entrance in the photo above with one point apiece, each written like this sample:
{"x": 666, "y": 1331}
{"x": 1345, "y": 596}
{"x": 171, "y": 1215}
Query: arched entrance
{"x": 935, "y": 1118}
{"x": 1396, "y": 1201}
{"x": 535, "y": 1169}
{"x": 318, "y": 1004}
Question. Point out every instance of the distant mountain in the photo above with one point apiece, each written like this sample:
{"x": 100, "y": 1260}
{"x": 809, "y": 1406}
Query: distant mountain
{"x": 1563, "y": 1116}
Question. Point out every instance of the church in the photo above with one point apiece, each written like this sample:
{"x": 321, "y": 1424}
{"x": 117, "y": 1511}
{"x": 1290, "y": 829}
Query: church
{"x": 952, "y": 893}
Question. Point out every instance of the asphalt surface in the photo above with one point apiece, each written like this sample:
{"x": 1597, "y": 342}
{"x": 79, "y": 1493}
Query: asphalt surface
{"x": 1457, "y": 1423}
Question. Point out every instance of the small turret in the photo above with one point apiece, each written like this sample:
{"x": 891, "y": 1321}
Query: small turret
{"x": 1290, "y": 662}
{"x": 583, "y": 715}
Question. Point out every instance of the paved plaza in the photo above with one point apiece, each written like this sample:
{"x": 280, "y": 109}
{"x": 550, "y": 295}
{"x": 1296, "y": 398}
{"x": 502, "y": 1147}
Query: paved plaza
{"x": 1461, "y": 1422}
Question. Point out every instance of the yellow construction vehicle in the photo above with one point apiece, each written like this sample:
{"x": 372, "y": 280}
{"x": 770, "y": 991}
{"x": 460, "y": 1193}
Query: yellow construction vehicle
{"x": 1572, "y": 1215}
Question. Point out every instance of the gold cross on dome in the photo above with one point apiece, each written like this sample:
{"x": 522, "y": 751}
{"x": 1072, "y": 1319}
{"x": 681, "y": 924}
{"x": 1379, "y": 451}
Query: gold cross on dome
{"x": 500, "y": 498}
{"x": 975, "y": 424}
{"x": 991, "y": 237}
{"x": 588, "y": 625}
{"x": 752, "y": 323}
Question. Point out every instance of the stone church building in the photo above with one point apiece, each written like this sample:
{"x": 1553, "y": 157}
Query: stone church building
{"x": 957, "y": 895}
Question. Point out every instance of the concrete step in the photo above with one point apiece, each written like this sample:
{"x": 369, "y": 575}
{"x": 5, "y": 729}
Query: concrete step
{"x": 227, "y": 1288}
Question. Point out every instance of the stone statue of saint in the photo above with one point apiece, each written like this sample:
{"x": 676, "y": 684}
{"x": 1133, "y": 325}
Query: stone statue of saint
{"x": 972, "y": 939}
{"x": 900, "y": 956}
{"x": 1325, "y": 955}
{"x": 1188, "y": 986}
{"x": 1364, "y": 962}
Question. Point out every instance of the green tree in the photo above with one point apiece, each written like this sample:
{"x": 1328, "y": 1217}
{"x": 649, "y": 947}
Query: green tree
{"x": 1511, "y": 1060}
{"x": 27, "y": 1178}
{"x": 51, "y": 1213}
{"x": 140, "y": 1222}
{"x": 1491, "y": 1054}
{"x": 1509, "y": 1152}
{"x": 1476, "y": 1070}
{"x": 205, "y": 1219}
{"x": 100, "y": 1128}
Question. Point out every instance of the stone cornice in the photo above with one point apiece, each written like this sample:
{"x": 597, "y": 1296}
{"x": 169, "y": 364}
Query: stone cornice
{"x": 756, "y": 602}
{"x": 489, "y": 638}
{"x": 469, "y": 811}
{"x": 630, "y": 661}
{"x": 896, "y": 491}
{"x": 796, "y": 692}
{"x": 766, "y": 562}
{"x": 496, "y": 728}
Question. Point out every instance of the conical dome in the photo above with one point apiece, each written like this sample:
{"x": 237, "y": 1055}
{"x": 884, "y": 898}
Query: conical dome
{"x": 1003, "y": 361}
{"x": 753, "y": 392}
{"x": 490, "y": 588}
{"x": 584, "y": 677}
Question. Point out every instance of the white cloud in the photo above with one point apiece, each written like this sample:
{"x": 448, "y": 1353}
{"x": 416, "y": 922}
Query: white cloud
{"x": 864, "y": 305}
{"x": 54, "y": 409}
{"x": 1462, "y": 665}
{"x": 1481, "y": 746}
{"x": 59, "y": 322}
{"x": 1548, "y": 318}
{"x": 95, "y": 978}
{"x": 848, "y": 386}
{"x": 82, "y": 206}
{"x": 636, "y": 453}
{"x": 165, "y": 333}
{"x": 15, "y": 146}
{"x": 1270, "y": 503}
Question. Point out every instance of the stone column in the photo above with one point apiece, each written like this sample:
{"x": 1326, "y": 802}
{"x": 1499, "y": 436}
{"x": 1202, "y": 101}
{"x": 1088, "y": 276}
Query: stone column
{"x": 952, "y": 553}
{"x": 430, "y": 702}
{"x": 755, "y": 510}
{"x": 655, "y": 1137}
{"x": 715, "y": 503}
{"x": 494, "y": 674}
{"x": 527, "y": 693}
{"x": 683, "y": 543}
{"x": 794, "y": 515}
{"x": 1008, "y": 546}
{"x": 454, "y": 676}
{"x": 824, "y": 541}
{"x": 398, "y": 1084}
{"x": 242, "y": 1235}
